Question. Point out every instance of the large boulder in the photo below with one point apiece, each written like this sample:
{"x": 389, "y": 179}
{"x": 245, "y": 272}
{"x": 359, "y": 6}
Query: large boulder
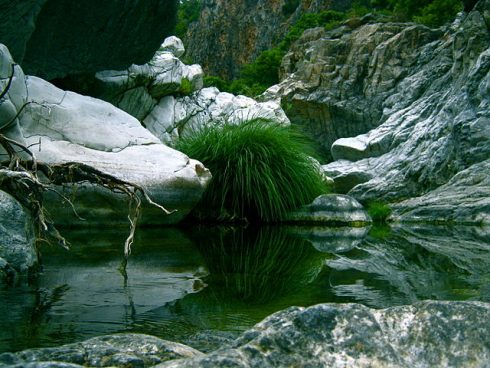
{"x": 55, "y": 38}
{"x": 67, "y": 127}
{"x": 338, "y": 335}
{"x": 62, "y": 126}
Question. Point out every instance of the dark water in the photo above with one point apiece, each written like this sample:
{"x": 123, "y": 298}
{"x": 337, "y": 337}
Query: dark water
{"x": 204, "y": 286}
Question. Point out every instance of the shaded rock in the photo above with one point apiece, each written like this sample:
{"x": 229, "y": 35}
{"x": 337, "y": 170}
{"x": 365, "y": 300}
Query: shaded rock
{"x": 17, "y": 249}
{"x": 424, "y": 335}
{"x": 121, "y": 350}
{"x": 229, "y": 34}
{"x": 331, "y": 209}
{"x": 69, "y": 127}
{"x": 174, "y": 116}
{"x": 53, "y": 38}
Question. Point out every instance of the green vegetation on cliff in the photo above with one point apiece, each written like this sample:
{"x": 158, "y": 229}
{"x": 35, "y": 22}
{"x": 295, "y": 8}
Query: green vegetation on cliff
{"x": 261, "y": 170}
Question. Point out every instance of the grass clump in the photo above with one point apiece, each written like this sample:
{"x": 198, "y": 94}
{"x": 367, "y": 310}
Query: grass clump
{"x": 261, "y": 169}
{"x": 185, "y": 87}
{"x": 379, "y": 211}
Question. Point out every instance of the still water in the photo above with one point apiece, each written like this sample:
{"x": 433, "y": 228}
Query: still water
{"x": 204, "y": 286}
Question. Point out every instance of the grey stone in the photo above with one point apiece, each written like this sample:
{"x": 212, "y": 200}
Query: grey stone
{"x": 331, "y": 209}
{"x": 17, "y": 249}
{"x": 426, "y": 334}
{"x": 331, "y": 239}
{"x": 174, "y": 45}
{"x": 55, "y": 38}
{"x": 120, "y": 350}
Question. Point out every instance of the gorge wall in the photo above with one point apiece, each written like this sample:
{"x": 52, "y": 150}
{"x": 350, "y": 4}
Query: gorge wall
{"x": 230, "y": 34}
{"x": 55, "y": 38}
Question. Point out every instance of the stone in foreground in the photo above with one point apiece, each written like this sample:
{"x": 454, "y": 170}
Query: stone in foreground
{"x": 427, "y": 334}
{"x": 121, "y": 350}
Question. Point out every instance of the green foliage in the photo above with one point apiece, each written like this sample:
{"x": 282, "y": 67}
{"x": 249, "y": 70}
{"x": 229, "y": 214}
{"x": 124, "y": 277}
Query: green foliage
{"x": 290, "y": 6}
{"x": 260, "y": 169}
{"x": 185, "y": 87}
{"x": 438, "y": 12}
{"x": 379, "y": 211}
{"x": 188, "y": 12}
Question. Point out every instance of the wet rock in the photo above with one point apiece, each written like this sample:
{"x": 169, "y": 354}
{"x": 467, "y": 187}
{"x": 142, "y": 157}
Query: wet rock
{"x": 122, "y": 350}
{"x": 331, "y": 209}
{"x": 17, "y": 249}
{"x": 425, "y": 334}
{"x": 53, "y": 38}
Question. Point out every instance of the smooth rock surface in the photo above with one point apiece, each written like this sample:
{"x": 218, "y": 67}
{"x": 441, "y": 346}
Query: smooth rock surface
{"x": 426, "y": 334}
{"x": 68, "y": 127}
{"x": 17, "y": 249}
{"x": 331, "y": 209}
{"x": 121, "y": 350}
{"x": 55, "y": 38}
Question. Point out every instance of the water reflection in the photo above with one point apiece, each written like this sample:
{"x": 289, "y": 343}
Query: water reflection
{"x": 206, "y": 285}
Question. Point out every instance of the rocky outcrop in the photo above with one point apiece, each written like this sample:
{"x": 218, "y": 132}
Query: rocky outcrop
{"x": 333, "y": 209}
{"x": 17, "y": 250}
{"x": 53, "y": 38}
{"x": 336, "y": 335}
{"x": 229, "y": 34}
{"x": 123, "y": 350}
{"x": 419, "y": 96}
{"x": 67, "y": 127}
{"x": 167, "y": 97}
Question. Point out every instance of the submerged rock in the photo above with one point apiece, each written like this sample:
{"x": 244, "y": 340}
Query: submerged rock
{"x": 427, "y": 334}
{"x": 331, "y": 209}
{"x": 17, "y": 249}
{"x": 121, "y": 350}
{"x": 55, "y": 38}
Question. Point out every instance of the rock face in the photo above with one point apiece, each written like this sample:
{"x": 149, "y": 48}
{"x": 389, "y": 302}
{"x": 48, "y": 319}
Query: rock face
{"x": 421, "y": 98}
{"x": 426, "y": 334}
{"x": 331, "y": 209}
{"x": 53, "y": 38}
{"x": 229, "y": 34}
{"x": 67, "y": 127}
{"x": 17, "y": 250}
{"x": 123, "y": 350}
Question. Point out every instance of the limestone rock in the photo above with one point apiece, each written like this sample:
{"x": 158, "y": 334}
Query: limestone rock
{"x": 174, "y": 116}
{"x": 17, "y": 249}
{"x": 331, "y": 209}
{"x": 425, "y": 334}
{"x": 120, "y": 350}
{"x": 55, "y": 38}
{"x": 174, "y": 45}
{"x": 69, "y": 127}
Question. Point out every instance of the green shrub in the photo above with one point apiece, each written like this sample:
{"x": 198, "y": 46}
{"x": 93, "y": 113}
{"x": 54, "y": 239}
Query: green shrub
{"x": 260, "y": 169}
{"x": 188, "y": 12}
{"x": 438, "y": 12}
{"x": 379, "y": 211}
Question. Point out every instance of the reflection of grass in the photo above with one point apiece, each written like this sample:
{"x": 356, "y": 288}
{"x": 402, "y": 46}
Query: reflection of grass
{"x": 258, "y": 265}
{"x": 380, "y": 231}
{"x": 260, "y": 169}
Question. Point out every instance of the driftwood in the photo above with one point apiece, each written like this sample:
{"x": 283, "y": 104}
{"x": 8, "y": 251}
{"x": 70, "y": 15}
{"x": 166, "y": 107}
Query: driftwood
{"x": 27, "y": 179}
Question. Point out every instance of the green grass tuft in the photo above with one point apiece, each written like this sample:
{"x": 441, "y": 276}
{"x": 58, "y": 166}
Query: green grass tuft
{"x": 379, "y": 211}
{"x": 261, "y": 170}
